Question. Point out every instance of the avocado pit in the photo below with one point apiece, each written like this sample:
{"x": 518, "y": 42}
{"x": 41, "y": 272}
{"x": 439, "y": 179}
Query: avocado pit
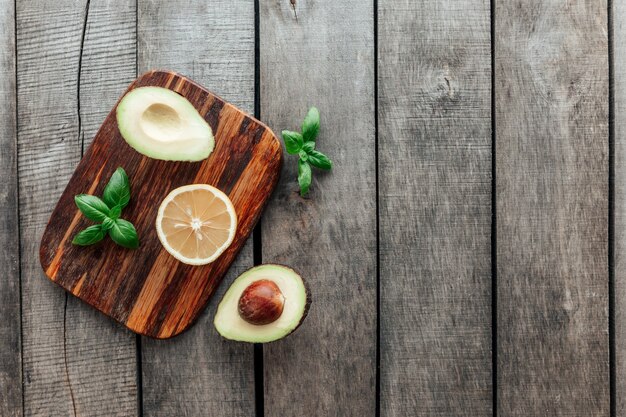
{"x": 261, "y": 302}
{"x": 264, "y": 304}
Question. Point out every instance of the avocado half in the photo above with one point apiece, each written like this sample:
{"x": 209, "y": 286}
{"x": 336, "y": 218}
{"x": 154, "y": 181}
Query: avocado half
{"x": 162, "y": 124}
{"x": 293, "y": 299}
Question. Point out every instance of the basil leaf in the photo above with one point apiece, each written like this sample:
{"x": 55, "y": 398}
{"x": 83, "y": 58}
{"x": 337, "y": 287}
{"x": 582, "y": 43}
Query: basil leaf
{"x": 293, "y": 141}
{"x": 92, "y": 207}
{"x": 124, "y": 234}
{"x": 107, "y": 224}
{"x": 308, "y": 146}
{"x": 117, "y": 191}
{"x": 311, "y": 125}
{"x": 115, "y": 212}
{"x": 89, "y": 236}
{"x": 303, "y": 155}
{"x": 319, "y": 160}
{"x": 304, "y": 176}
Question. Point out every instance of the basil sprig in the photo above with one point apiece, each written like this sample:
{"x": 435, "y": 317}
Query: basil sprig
{"x": 303, "y": 144}
{"x": 107, "y": 211}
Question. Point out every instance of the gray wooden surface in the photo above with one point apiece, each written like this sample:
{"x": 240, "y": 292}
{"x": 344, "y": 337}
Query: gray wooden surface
{"x": 75, "y": 362}
{"x": 434, "y": 74}
{"x": 431, "y": 242}
{"x": 551, "y": 110}
{"x": 10, "y": 332}
{"x": 619, "y": 205}
{"x": 324, "y": 58}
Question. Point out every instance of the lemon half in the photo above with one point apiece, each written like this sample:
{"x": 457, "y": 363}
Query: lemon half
{"x": 196, "y": 223}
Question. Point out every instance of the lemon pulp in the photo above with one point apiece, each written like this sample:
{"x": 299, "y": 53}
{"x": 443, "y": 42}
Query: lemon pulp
{"x": 196, "y": 223}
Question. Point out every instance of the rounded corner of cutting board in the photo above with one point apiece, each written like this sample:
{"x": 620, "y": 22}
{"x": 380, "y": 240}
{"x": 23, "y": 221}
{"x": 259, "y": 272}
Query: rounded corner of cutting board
{"x": 275, "y": 141}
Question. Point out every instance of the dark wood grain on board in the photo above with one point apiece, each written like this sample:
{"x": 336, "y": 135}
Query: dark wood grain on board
{"x": 148, "y": 290}
{"x": 325, "y": 58}
{"x": 434, "y": 109}
{"x": 10, "y": 326}
{"x": 619, "y": 77}
{"x": 199, "y": 373}
{"x": 551, "y": 98}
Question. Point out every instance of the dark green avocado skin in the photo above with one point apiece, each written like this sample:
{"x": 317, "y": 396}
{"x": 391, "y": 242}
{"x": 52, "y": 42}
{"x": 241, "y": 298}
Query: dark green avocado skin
{"x": 308, "y": 300}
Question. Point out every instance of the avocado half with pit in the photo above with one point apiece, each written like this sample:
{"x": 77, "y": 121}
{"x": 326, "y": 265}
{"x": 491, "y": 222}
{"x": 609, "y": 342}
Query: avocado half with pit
{"x": 263, "y": 304}
{"x": 162, "y": 124}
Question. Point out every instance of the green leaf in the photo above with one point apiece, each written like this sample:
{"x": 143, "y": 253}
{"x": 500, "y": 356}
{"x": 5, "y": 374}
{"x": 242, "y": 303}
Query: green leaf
{"x": 115, "y": 212}
{"x": 303, "y": 155}
{"x": 89, "y": 236}
{"x": 308, "y": 146}
{"x": 124, "y": 234}
{"x": 319, "y": 160}
{"x": 107, "y": 224}
{"x": 311, "y": 125}
{"x": 92, "y": 207}
{"x": 117, "y": 191}
{"x": 304, "y": 177}
{"x": 293, "y": 141}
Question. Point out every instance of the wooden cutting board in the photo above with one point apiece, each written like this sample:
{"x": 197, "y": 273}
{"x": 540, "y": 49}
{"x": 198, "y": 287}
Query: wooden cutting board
{"x": 147, "y": 289}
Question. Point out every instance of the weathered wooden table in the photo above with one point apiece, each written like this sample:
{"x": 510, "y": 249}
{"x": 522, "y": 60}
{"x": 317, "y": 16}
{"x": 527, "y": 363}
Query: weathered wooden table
{"x": 466, "y": 254}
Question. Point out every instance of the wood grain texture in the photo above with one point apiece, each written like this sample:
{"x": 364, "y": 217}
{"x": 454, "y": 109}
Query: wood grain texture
{"x": 75, "y": 361}
{"x": 107, "y": 66}
{"x": 435, "y": 208}
{"x": 551, "y": 86}
{"x": 148, "y": 290}
{"x": 198, "y": 373}
{"x": 10, "y": 341}
{"x": 619, "y": 94}
{"x": 325, "y": 58}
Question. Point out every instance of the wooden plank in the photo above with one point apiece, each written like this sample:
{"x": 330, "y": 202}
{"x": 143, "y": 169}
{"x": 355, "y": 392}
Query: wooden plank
{"x": 198, "y": 373}
{"x": 552, "y": 207}
{"x": 10, "y": 341}
{"x": 435, "y": 208}
{"x": 76, "y": 362}
{"x": 109, "y": 61}
{"x": 619, "y": 249}
{"x": 325, "y": 58}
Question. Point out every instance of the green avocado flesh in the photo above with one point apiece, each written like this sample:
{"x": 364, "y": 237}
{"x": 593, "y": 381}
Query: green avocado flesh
{"x": 229, "y": 323}
{"x": 162, "y": 124}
